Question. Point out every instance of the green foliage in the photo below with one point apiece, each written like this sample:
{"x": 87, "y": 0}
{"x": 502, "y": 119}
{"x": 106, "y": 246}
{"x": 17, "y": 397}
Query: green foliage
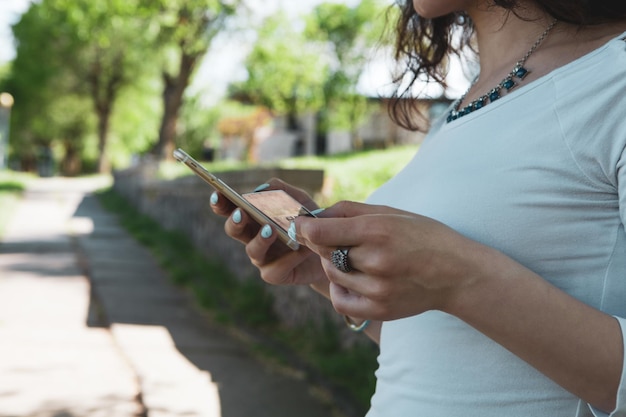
{"x": 184, "y": 30}
{"x": 73, "y": 59}
{"x": 285, "y": 73}
{"x": 29, "y": 82}
{"x": 350, "y": 176}
{"x": 135, "y": 120}
{"x": 107, "y": 78}
{"x": 354, "y": 176}
{"x": 350, "y": 31}
{"x": 185, "y": 27}
{"x": 351, "y": 35}
{"x": 213, "y": 285}
{"x": 248, "y": 303}
{"x": 88, "y": 75}
{"x": 174, "y": 169}
{"x": 198, "y": 128}
{"x": 11, "y": 187}
{"x": 315, "y": 66}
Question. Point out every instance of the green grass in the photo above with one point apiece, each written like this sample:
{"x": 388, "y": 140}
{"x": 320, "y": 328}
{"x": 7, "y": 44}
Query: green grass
{"x": 233, "y": 302}
{"x": 174, "y": 169}
{"x": 213, "y": 285}
{"x": 353, "y": 177}
{"x": 11, "y": 187}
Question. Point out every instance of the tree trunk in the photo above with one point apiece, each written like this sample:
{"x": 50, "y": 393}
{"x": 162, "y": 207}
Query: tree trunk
{"x": 104, "y": 113}
{"x": 71, "y": 164}
{"x": 173, "y": 91}
{"x": 103, "y": 91}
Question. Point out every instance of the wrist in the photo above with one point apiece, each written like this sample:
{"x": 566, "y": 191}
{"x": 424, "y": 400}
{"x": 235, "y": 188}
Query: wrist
{"x": 489, "y": 269}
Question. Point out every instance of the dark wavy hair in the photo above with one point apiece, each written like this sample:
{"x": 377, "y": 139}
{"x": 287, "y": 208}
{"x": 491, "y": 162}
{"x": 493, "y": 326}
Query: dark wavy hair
{"x": 422, "y": 46}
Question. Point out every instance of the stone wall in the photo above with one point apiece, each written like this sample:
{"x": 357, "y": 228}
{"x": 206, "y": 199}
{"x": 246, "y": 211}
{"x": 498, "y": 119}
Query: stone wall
{"x": 183, "y": 205}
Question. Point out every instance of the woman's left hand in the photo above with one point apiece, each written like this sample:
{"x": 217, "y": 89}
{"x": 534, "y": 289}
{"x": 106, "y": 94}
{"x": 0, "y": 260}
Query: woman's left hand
{"x": 403, "y": 264}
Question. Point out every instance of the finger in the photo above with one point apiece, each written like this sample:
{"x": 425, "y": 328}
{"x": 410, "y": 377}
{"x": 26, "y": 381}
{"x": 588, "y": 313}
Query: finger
{"x": 220, "y": 204}
{"x": 320, "y": 234}
{"x": 353, "y": 209}
{"x": 299, "y": 194}
{"x": 345, "y": 224}
{"x": 348, "y": 302}
{"x": 259, "y": 248}
{"x": 241, "y": 227}
{"x": 277, "y": 263}
{"x": 354, "y": 280}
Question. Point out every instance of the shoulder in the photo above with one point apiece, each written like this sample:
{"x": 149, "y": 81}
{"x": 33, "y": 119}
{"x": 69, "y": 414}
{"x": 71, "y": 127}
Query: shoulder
{"x": 590, "y": 98}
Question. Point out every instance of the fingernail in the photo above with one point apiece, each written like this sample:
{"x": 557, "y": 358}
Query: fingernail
{"x": 292, "y": 231}
{"x": 261, "y": 187}
{"x": 266, "y": 232}
{"x": 318, "y": 211}
{"x": 237, "y": 216}
{"x": 214, "y": 198}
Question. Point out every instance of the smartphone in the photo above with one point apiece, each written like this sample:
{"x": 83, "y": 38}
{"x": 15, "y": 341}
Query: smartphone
{"x": 273, "y": 207}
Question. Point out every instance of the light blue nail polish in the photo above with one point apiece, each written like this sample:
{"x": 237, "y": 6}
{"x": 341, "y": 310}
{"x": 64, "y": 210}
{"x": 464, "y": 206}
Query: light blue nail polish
{"x": 318, "y": 211}
{"x": 266, "y": 232}
{"x": 237, "y": 216}
{"x": 292, "y": 231}
{"x": 261, "y": 187}
{"x": 214, "y": 198}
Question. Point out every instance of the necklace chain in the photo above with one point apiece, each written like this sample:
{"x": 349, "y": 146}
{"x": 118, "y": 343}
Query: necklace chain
{"x": 519, "y": 72}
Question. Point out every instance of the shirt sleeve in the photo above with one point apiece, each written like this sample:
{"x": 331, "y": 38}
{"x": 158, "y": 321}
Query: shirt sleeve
{"x": 620, "y": 409}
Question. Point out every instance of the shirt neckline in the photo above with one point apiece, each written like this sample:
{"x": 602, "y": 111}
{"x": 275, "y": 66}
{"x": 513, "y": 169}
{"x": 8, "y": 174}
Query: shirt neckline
{"x": 441, "y": 124}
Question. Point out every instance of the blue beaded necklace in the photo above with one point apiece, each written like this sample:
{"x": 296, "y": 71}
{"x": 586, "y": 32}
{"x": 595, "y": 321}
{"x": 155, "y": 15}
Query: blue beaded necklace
{"x": 518, "y": 73}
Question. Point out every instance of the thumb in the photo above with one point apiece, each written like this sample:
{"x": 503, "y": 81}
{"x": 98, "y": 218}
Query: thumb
{"x": 354, "y": 209}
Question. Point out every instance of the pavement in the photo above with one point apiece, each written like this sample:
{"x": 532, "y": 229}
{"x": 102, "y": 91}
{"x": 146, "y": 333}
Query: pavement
{"x": 90, "y": 326}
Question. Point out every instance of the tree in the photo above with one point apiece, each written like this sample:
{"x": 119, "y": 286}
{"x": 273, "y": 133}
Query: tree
{"x": 38, "y": 88}
{"x": 314, "y": 67}
{"x": 90, "y": 49}
{"x": 350, "y": 35}
{"x": 285, "y": 73}
{"x": 198, "y": 133}
{"x": 107, "y": 55}
{"x": 186, "y": 29}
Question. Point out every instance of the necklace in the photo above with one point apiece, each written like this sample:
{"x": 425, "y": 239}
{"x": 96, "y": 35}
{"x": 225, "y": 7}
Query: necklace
{"x": 519, "y": 72}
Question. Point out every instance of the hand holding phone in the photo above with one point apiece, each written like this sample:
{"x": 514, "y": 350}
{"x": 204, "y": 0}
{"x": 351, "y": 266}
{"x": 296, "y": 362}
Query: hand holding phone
{"x": 273, "y": 207}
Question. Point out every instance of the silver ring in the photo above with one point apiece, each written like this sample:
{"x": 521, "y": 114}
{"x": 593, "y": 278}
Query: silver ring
{"x": 339, "y": 258}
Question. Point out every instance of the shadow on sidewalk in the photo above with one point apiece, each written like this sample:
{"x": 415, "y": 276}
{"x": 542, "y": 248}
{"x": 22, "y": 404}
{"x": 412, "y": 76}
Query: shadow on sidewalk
{"x": 148, "y": 315}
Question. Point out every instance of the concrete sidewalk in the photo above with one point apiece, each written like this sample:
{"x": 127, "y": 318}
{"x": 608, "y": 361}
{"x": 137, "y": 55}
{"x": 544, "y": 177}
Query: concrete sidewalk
{"x": 91, "y": 326}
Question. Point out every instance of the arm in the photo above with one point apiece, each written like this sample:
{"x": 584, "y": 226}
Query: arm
{"x": 407, "y": 264}
{"x": 577, "y": 346}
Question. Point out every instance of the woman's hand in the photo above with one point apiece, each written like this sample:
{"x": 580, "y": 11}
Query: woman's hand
{"x": 276, "y": 262}
{"x": 403, "y": 264}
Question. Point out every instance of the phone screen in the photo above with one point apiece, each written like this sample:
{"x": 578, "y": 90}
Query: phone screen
{"x": 278, "y": 206}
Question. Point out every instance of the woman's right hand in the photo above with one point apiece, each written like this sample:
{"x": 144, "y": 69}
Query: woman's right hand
{"x": 277, "y": 264}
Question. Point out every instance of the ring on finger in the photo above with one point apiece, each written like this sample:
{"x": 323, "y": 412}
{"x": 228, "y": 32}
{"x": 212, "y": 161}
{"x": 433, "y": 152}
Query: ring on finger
{"x": 339, "y": 258}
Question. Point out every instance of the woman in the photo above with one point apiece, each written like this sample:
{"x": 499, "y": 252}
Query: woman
{"x": 492, "y": 269}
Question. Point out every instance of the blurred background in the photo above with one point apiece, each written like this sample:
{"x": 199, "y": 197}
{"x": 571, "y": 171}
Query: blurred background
{"x": 90, "y": 86}
{"x": 120, "y": 294}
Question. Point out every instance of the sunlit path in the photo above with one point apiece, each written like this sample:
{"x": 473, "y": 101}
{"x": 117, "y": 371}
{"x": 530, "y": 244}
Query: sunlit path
{"x": 90, "y": 326}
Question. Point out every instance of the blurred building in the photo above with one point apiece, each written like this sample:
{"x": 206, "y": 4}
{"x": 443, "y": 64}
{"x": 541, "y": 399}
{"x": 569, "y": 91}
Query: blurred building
{"x": 277, "y": 141}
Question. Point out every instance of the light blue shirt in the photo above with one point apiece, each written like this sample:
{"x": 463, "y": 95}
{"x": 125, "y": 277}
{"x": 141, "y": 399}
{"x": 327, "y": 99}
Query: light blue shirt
{"x": 539, "y": 175}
